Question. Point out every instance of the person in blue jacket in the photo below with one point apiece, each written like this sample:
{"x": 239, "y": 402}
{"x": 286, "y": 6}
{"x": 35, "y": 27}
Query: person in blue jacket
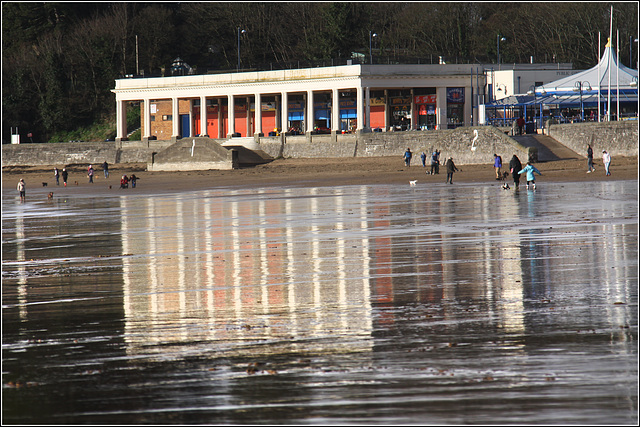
{"x": 529, "y": 170}
{"x": 407, "y": 157}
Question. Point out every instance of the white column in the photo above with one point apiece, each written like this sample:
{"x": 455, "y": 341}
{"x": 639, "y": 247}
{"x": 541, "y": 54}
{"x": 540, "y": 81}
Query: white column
{"x": 175, "y": 117}
{"x": 231, "y": 110}
{"x": 309, "y": 116}
{"x": 386, "y": 110}
{"x": 284, "y": 113}
{"x": 248, "y": 120}
{"x": 258, "y": 115}
{"x": 220, "y": 118}
{"x": 146, "y": 118}
{"x": 121, "y": 119}
{"x": 441, "y": 108}
{"x": 359, "y": 109}
{"x": 367, "y": 107}
{"x": 203, "y": 116}
{"x": 467, "y": 107}
{"x": 335, "y": 111}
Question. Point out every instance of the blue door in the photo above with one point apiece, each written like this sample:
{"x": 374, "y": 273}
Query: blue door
{"x": 185, "y": 128}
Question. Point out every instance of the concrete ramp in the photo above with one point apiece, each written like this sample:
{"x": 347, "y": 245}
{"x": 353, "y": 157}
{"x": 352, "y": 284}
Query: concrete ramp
{"x": 205, "y": 154}
{"x": 192, "y": 154}
{"x": 548, "y": 148}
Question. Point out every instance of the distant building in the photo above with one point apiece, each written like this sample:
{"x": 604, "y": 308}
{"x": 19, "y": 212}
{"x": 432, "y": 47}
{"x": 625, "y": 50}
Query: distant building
{"x": 608, "y": 91}
{"x": 341, "y": 99}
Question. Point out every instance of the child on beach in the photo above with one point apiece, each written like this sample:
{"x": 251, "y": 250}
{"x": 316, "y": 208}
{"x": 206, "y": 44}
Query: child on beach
{"x": 529, "y": 170}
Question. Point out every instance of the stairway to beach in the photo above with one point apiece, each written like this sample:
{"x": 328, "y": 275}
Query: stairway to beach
{"x": 548, "y": 148}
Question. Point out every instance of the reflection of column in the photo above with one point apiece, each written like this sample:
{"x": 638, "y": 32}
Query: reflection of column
{"x": 22, "y": 270}
{"x": 366, "y": 260}
{"x": 235, "y": 239}
{"x": 340, "y": 257}
{"x": 291, "y": 271}
{"x": 315, "y": 254}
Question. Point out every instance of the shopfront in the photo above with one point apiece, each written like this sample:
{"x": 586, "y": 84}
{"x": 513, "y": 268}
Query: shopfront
{"x": 322, "y": 113}
{"x": 455, "y": 107}
{"x": 348, "y": 111}
{"x": 295, "y": 108}
{"x": 400, "y": 108}
{"x": 426, "y": 109}
{"x": 378, "y": 109}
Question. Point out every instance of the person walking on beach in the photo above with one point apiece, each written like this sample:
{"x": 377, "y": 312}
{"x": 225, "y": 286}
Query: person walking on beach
{"x": 22, "y": 189}
{"x": 435, "y": 162}
{"x": 56, "y": 173}
{"x": 590, "y": 159}
{"x": 90, "y": 174}
{"x": 133, "y": 180}
{"x": 529, "y": 170}
{"x": 105, "y": 168}
{"x": 423, "y": 157}
{"x": 451, "y": 167}
{"x": 407, "y": 157}
{"x": 497, "y": 164}
{"x": 515, "y": 167}
{"x": 606, "y": 159}
{"x": 65, "y": 174}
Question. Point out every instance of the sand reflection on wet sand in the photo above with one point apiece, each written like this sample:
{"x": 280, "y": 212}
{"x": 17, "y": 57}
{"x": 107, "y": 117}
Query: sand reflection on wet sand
{"x": 357, "y": 304}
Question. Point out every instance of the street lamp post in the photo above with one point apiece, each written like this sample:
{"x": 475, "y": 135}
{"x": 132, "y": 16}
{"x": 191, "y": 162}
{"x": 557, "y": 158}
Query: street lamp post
{"x": 578, "y": 88}
{"x": 239, "y": 32}
{"x": 499, "y": 40}
{"x": 371, "y": 35}
{"x": 532, "y": 91}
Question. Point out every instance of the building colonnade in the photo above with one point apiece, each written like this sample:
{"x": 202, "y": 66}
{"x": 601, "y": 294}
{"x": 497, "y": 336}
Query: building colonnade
{"x": 175, "y": 107}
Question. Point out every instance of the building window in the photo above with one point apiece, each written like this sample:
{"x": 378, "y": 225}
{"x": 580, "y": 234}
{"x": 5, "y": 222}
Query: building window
{"x": 167, "y": 117}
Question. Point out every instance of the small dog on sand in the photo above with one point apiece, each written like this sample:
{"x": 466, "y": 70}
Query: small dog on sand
{"x": 505, "y": 186}
{"x": 44, "y": 184}
{"x": 50, "y": 196}
{"x": 413, "y": 183}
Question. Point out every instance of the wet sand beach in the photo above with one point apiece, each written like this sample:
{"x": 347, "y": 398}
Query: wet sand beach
{"x": 321, "y": 292}
{"x": 303, "y": 172}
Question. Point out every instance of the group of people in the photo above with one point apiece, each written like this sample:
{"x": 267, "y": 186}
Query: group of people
{"x": 125, "y": 180}
{"x": 606, "y": 161}
{"x": 435, "y": 163}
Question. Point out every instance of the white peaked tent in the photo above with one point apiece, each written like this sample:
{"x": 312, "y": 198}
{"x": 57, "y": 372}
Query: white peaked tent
{"x": 579, "y": 91}
{"x": 598, "y": 76}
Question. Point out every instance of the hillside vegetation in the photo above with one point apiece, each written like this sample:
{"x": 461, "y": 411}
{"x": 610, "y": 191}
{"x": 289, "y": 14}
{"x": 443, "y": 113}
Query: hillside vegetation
{"x": 60, "y": 60}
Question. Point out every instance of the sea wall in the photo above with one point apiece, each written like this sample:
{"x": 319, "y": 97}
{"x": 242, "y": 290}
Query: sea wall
{"x": 461, "y": 144}
{"x": 467, "y": 145}
{"x": 618, "y": 138}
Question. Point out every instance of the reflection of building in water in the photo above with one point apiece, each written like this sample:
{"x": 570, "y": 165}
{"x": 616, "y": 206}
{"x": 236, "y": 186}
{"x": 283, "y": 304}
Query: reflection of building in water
{"x": 234, "y": 269}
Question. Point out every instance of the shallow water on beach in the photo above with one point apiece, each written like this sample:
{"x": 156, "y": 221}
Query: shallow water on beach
{"x": 431, "y": 304}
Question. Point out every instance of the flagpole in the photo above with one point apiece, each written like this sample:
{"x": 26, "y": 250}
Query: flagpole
{"x": 618, "y": 76}
{"x": 599, "y": 58}
{"x": 609, "y": 68}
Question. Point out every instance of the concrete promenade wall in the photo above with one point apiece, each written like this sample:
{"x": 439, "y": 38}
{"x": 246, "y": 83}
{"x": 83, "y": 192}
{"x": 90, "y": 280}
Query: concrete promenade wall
{"x": 618, "y": 138}
{"x": 455, "y": 143}
{"x": 68, "y": 153}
